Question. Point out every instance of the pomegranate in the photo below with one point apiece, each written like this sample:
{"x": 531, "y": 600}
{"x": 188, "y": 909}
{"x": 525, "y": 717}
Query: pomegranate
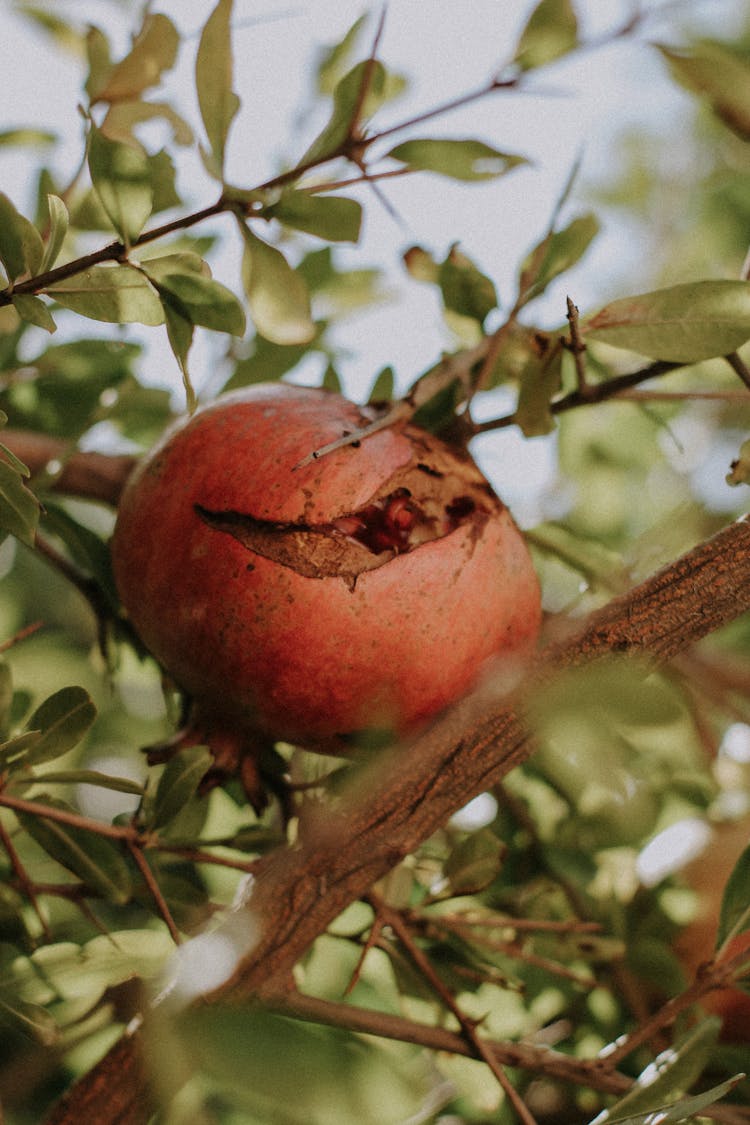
{"x": 364, "y": 589}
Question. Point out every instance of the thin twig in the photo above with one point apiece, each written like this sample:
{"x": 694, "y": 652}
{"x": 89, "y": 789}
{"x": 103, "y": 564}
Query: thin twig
{"x": 154, "y": 890}
{"x": 738, "y": 365}
{"x": 468, "y": 1026}
{"x": 24, "y": 881}
{"x": 577, "y": 348}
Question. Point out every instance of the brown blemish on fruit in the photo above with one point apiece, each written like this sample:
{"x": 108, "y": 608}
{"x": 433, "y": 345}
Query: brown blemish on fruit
{"x": 419, "y": 504}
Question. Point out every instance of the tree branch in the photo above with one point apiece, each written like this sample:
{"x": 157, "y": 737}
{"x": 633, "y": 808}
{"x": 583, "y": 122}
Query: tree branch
{"x": 399, "y": 803}
{"x": 92, "y": 476}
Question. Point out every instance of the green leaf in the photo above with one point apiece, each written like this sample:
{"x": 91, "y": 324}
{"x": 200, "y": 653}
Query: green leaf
{"x": 34, "y": 311}
{"x": 336, "y": 60}
{"x": 474, "y": 862}
{"x": 99, "y": 60}
{"x": 421, "y": 265}
{"x": 382, "y": 388}
{"x": 154, "y": 51}
{"x": 683, "y": 324}
{"x": 334, "y": 218}
{"x": 276, "y": 294}
{"x": 550, "y": 32}
{"x": 356, "y": 96}
{"x": 15, "y": 749}
{"x": 672, "y": 1073}
{"x": 201, "y": 299}
{"x": 213, "y": 79}
{"x": 686, "y": 1109}
{"x": 465, "y": 289}
{"x": 83, "y": 777}
{"x": 734, "y": 917}
{"x": 739, "y": 472}
{"x": 58, "y": 229}
{"x": 87, "y": 549}
{"x": 63, "y": 719}
{"x": 180, "y": 336}
{"x": 121, "y": 177}
{"x": 123, "y": 117}
{"x": 96, "y": 861}
{"x": 179, "y": 783}
{"x": 555, "y": 254}
{"x": 118, "y": 294}
{"x": 539, "y": 383}
{"x": 10, "y": 137}
{"x": 717, "y": 74}
{"x": 458, "y": 159}
{"x": 19, "y": 507}
{"x": 21, "y": 246}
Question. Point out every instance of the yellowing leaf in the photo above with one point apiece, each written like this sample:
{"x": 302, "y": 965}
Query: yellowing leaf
{"x": 682, "y": 324}
{"x": 154, "y": 51}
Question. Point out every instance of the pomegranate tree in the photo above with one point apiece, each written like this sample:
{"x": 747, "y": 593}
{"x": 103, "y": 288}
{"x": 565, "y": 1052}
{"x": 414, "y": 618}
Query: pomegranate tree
{"x": 368, "y": 588}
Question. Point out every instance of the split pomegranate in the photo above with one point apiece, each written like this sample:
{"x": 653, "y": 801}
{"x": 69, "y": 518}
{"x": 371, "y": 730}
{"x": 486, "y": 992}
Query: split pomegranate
{"x": 365, "y": 589}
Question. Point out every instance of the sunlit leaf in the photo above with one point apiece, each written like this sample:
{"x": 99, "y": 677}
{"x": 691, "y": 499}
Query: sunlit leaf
{"x": 332, "y": 217}
{"x": 180, "y": 331}
{"x": 96, "y": 861}
{"x": 739, "y": 471}
{"x": 556, "y": 254}
{"x": 118, "y": 294}
{"x": 457, "y": 159}
{"x": 213, "y": 78}
{"x": 356, "y": 97}
{"x": 123, "y": 117}
{"x": 179, "y": 783}
{"x": 719, "y": 75}
{"x": 19, "y": 507}
{"x": 154, "y": 50}
{"x": 58, "y": 228}
{"x": 550, "y": 32}
{"x": 21, "y": 246}
{"x": 686, "y": 1109}
{"x": 63, "y": 719}
{"x": 99, "y": 60}
{"x": 33, "y": 310}
{"x": 276, "y": 294}
{"x": 121, "y": 177}
{"x": 683, "y": 324}
{"x": 670, "y": 1075}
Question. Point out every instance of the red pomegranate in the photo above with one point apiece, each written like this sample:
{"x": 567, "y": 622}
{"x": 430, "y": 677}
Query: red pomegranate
{"x": 368, "y": 588}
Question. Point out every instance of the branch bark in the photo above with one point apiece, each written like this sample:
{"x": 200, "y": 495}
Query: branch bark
{"x": 399, "y": 803}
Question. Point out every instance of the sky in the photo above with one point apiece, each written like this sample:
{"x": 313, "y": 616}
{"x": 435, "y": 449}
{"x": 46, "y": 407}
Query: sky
{"x": 576, "y": 108}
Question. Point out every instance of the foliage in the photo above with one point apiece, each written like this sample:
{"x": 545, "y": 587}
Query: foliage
{"x": 526, "y": 919}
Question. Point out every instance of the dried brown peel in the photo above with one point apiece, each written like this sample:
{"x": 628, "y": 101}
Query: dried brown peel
{"x": 436, "y": 493}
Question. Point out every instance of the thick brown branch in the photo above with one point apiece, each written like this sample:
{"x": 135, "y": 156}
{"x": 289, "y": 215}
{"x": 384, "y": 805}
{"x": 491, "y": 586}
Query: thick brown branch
{"x": 299, "y": 891}
{"x": 92, "y": 476}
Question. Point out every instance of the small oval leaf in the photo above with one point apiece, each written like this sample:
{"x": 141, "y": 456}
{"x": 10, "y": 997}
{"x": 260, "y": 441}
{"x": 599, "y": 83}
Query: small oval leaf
{"x": 213, "y": 79}
{"x": 121, "y": 176}
{"x": 179, "y": 782}
{"x": 63, "y": 719}
{"x": 117, "y": 294}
